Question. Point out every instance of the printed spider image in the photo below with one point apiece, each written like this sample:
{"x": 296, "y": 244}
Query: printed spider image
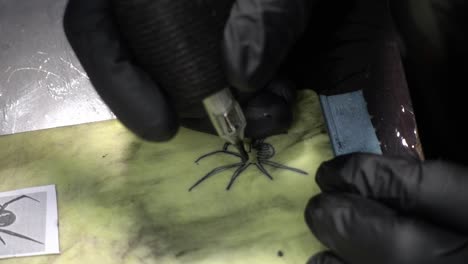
{"x": 260, "y": 154}
{"x": 7, "y": 218}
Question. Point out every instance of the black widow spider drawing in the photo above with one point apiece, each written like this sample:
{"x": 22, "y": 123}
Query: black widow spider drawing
{"x": 7, "y": 218}
{"x": 262, "y": 153}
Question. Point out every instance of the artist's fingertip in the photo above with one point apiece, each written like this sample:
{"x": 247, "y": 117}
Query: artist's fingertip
{"x": 267, "y": 115}
{"x": 328, "y": 174}
{"x": 324, "y": 171}
{"x": 313, "y": 212}
{"x": 333, "y": 165}
{"x": 160, "y": 131}
{"x": 326, "y": 257}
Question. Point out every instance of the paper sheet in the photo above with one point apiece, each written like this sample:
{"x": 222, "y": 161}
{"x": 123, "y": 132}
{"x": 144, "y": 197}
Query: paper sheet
{"x": 29, "y": 222}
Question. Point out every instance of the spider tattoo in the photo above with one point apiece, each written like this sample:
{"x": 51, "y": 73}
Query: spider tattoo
{"x": 7, "y": 218}
{"x": 262, "y": 153}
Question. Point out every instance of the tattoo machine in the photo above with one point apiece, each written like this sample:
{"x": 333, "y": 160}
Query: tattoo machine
{"x": 179, "y": 42}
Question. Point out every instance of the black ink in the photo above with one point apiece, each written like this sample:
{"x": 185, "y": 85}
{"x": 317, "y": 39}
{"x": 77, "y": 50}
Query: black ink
{"x": 7, "y": 218}
{"x": 185, "y": 252}
{"x": 263, "y": 153}
{"x": 280, "y": 254}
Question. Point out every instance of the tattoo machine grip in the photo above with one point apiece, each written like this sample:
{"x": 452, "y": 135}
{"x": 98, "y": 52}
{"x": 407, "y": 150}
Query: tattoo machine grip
{"x": 178, "y": 42}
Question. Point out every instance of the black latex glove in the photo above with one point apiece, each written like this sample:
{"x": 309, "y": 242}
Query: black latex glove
{"x": 380, "y": 210}
{"x": 141, "y": 105}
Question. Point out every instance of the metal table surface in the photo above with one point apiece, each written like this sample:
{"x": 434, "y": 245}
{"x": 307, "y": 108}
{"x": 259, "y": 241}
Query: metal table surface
{"x": 42, "y": 84}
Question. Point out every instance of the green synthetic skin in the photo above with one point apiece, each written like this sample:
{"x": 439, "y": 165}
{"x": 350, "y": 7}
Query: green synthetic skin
{"x": 122, "y": 200}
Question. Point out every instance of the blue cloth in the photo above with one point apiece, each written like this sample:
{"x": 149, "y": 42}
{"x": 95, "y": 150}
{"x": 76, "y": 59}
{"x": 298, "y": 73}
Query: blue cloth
{"x": 349, "y": 124}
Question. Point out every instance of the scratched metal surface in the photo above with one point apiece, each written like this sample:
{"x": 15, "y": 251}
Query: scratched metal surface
{"x": 42, "y": 84}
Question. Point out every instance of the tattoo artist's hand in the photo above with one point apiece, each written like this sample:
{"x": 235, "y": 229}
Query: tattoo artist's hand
{"x": 376, "y": 209}
{"x": 252, "y": 54}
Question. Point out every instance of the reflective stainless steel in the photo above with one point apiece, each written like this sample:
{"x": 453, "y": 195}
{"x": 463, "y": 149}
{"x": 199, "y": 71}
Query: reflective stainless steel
{"x": 42, "y": 84}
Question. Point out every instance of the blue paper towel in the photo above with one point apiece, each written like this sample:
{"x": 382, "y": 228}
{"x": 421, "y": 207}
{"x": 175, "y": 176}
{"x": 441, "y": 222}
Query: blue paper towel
{"x": 349, "y": 124}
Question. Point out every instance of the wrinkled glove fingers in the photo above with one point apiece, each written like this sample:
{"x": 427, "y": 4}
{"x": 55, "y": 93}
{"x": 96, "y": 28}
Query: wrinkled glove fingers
{"x": 359, "y": 230}
{"x": 434, "y": 190}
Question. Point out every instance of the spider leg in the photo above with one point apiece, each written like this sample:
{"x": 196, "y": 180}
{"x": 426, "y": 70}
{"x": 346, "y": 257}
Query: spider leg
{"x": 226, "y": 146}
{"x": 217, "y": 152}
{"x": 236, "y": 174}
{"x": 215, "y": 171}
{"x": 3, "y": 241}
{"x": 263, "y": 170}
{"x": 281, "y": 166}
{"x": 11, "y": 233}
{"x": 16, "y": 199}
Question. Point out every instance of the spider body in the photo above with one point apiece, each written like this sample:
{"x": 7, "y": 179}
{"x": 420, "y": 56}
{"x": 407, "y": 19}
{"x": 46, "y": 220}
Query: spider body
{"x": 8, "y": 218}
{"x": 264, "y": 151}
{"x": 260, "y": 155}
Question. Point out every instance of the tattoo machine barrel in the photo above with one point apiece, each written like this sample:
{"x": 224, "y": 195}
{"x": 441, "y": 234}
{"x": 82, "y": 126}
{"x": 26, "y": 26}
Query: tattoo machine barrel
{"x": 178, "y": 42}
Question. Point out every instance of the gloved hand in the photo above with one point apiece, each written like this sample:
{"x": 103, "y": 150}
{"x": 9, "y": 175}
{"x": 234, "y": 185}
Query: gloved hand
{"x": 376, "y": 209}
{"x": 141, "y": 105}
